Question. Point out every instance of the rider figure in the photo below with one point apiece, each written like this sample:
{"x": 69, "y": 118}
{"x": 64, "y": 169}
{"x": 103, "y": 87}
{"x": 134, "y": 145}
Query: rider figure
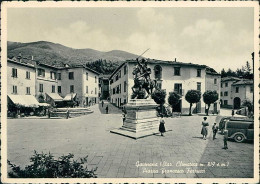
{"x": 144, "y": 70}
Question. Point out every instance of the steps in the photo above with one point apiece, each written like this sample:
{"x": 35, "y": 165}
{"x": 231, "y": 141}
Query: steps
{"x": 73, "y": 112}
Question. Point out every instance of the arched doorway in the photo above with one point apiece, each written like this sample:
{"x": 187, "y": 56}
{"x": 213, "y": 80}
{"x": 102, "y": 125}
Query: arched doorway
{"x": 237, "y": 103}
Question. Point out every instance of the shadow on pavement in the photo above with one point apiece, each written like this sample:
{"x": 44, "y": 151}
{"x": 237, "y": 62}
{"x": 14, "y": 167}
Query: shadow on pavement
{"x": 198, "y": 137}
{"x": 235, "y": 162}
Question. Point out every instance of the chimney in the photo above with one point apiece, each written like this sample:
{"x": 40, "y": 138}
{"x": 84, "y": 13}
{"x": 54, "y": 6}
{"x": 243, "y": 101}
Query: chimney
{"x": 175, "y": 60}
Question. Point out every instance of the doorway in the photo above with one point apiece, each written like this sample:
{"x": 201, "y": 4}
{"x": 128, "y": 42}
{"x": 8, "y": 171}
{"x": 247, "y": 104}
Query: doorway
{"x": 177, "y": 107}
{"x": 237, "y": 103}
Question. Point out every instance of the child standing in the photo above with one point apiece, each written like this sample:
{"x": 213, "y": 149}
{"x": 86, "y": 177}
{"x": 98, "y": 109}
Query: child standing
{"x": 215, "y": 130}
{"x": 162, "y": 127}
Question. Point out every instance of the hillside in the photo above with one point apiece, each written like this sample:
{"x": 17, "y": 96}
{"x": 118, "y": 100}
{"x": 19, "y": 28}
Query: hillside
{"x": 57, "y": 54}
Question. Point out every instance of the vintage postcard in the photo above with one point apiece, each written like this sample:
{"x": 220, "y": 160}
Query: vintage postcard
{"x": 129, "y": 92}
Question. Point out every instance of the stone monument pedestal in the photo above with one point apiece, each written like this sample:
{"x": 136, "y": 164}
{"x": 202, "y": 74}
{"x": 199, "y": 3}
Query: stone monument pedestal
{"x": 141, "y": 119}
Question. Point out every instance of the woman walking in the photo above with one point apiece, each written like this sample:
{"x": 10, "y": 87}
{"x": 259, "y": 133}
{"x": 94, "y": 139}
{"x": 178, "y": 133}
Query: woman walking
{"x": 162, "y": 127}
{"x": 204, "y": 130}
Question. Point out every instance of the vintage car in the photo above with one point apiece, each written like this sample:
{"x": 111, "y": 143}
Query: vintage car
{"x": 221, "y": 120}
{"x": 240, "y": 129}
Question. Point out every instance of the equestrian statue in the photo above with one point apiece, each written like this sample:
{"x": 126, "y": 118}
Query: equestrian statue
{"x": 143, "y": 85}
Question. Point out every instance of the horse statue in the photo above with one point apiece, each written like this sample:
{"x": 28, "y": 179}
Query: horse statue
{"x": 143, "y": 85}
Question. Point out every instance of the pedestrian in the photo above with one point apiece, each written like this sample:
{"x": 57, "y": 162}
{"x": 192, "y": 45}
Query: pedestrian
{"x": 107, "y": 109}
{"x": 215, "y": 130}
{"x": 124, "y": 116}
{"x": 49, "y": 113}
{"x": 161, "y": 126}
{"x": 67, "y": 114}
{"x": 225, "y": 139}
{"x": 204, "y": 130}
{"x": 102, "y": 103}
{"x": 233, "y": 112}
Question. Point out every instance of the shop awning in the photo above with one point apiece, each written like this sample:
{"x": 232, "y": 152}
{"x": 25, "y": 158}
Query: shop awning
{"x": 44, "y": 104}
{"x": 69, "y": 97}
{"x": 24, "y": 100}
{"x": 55, "y": 96}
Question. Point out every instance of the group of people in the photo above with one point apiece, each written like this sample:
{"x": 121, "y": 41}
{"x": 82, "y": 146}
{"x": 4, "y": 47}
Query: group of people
{"x": 204, "y": 131}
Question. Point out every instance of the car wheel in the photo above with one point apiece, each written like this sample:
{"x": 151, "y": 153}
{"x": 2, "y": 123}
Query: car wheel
{"x": 239, "y": 138}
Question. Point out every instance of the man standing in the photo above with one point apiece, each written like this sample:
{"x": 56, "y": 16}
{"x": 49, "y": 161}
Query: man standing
{"x": 102, "y": 103}
{"x": 225, "y": 139}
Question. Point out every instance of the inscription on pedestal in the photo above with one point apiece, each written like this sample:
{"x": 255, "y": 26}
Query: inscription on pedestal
{"x": 141, "y": 119}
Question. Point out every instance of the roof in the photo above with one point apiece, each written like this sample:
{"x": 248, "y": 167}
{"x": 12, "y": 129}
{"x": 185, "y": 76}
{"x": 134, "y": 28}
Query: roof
{"x": 21, "y": 62}
{"x": 49, "y": 66}
{"x": 55, "y": 96}
{"x": 243, "y": 82}
{"x": 154, "y": 61}
{"x": 81, "y": 66}
{"x": 24, "y": 100}
{"x": 31, "y": 63}
{"x": 211, "y": 71}
{"x": 230, "y": 79}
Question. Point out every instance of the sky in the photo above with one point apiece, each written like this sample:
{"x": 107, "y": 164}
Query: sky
{"x": 217, "y": 37}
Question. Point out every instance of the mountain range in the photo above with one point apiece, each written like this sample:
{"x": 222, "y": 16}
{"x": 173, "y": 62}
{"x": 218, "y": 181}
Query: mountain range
{"x": 57, "y": 54}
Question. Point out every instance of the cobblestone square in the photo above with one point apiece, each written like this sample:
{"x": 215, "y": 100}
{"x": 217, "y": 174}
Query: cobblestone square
{"x": 173, "y": 156}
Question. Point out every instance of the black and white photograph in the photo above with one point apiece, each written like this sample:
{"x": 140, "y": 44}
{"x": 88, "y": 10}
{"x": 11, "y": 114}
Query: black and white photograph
{"x": 129, "y": 91}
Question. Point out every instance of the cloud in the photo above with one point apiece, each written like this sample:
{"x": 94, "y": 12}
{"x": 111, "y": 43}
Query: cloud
{"x": 151, "y": 20}
{"x": 203, "y": 27}
{"x": 205, "y": 41}
{"x": 80, "y": 35}
{"x": 214, "y": 39}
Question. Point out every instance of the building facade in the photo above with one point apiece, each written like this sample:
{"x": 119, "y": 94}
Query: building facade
{"x": 21, "y": 77}
{"x": 81, "y": 81}
{"x": 234, "y": 91}
{"x": 213, "y": 82}
{"x": 170, "y": 76}
{"x": 30, "y": 77}
{"x": 46, "y": 81}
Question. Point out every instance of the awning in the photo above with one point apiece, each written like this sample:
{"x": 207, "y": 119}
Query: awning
{"x": 24, "y": 100}
{"x": 55, "y": 96}
{"x": 69, "y": 97}
{"x": 44, "y": 104}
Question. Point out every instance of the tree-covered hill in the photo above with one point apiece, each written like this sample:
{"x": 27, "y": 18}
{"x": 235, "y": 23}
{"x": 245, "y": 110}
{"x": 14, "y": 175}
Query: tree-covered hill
{"x": 57, "y": 54}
